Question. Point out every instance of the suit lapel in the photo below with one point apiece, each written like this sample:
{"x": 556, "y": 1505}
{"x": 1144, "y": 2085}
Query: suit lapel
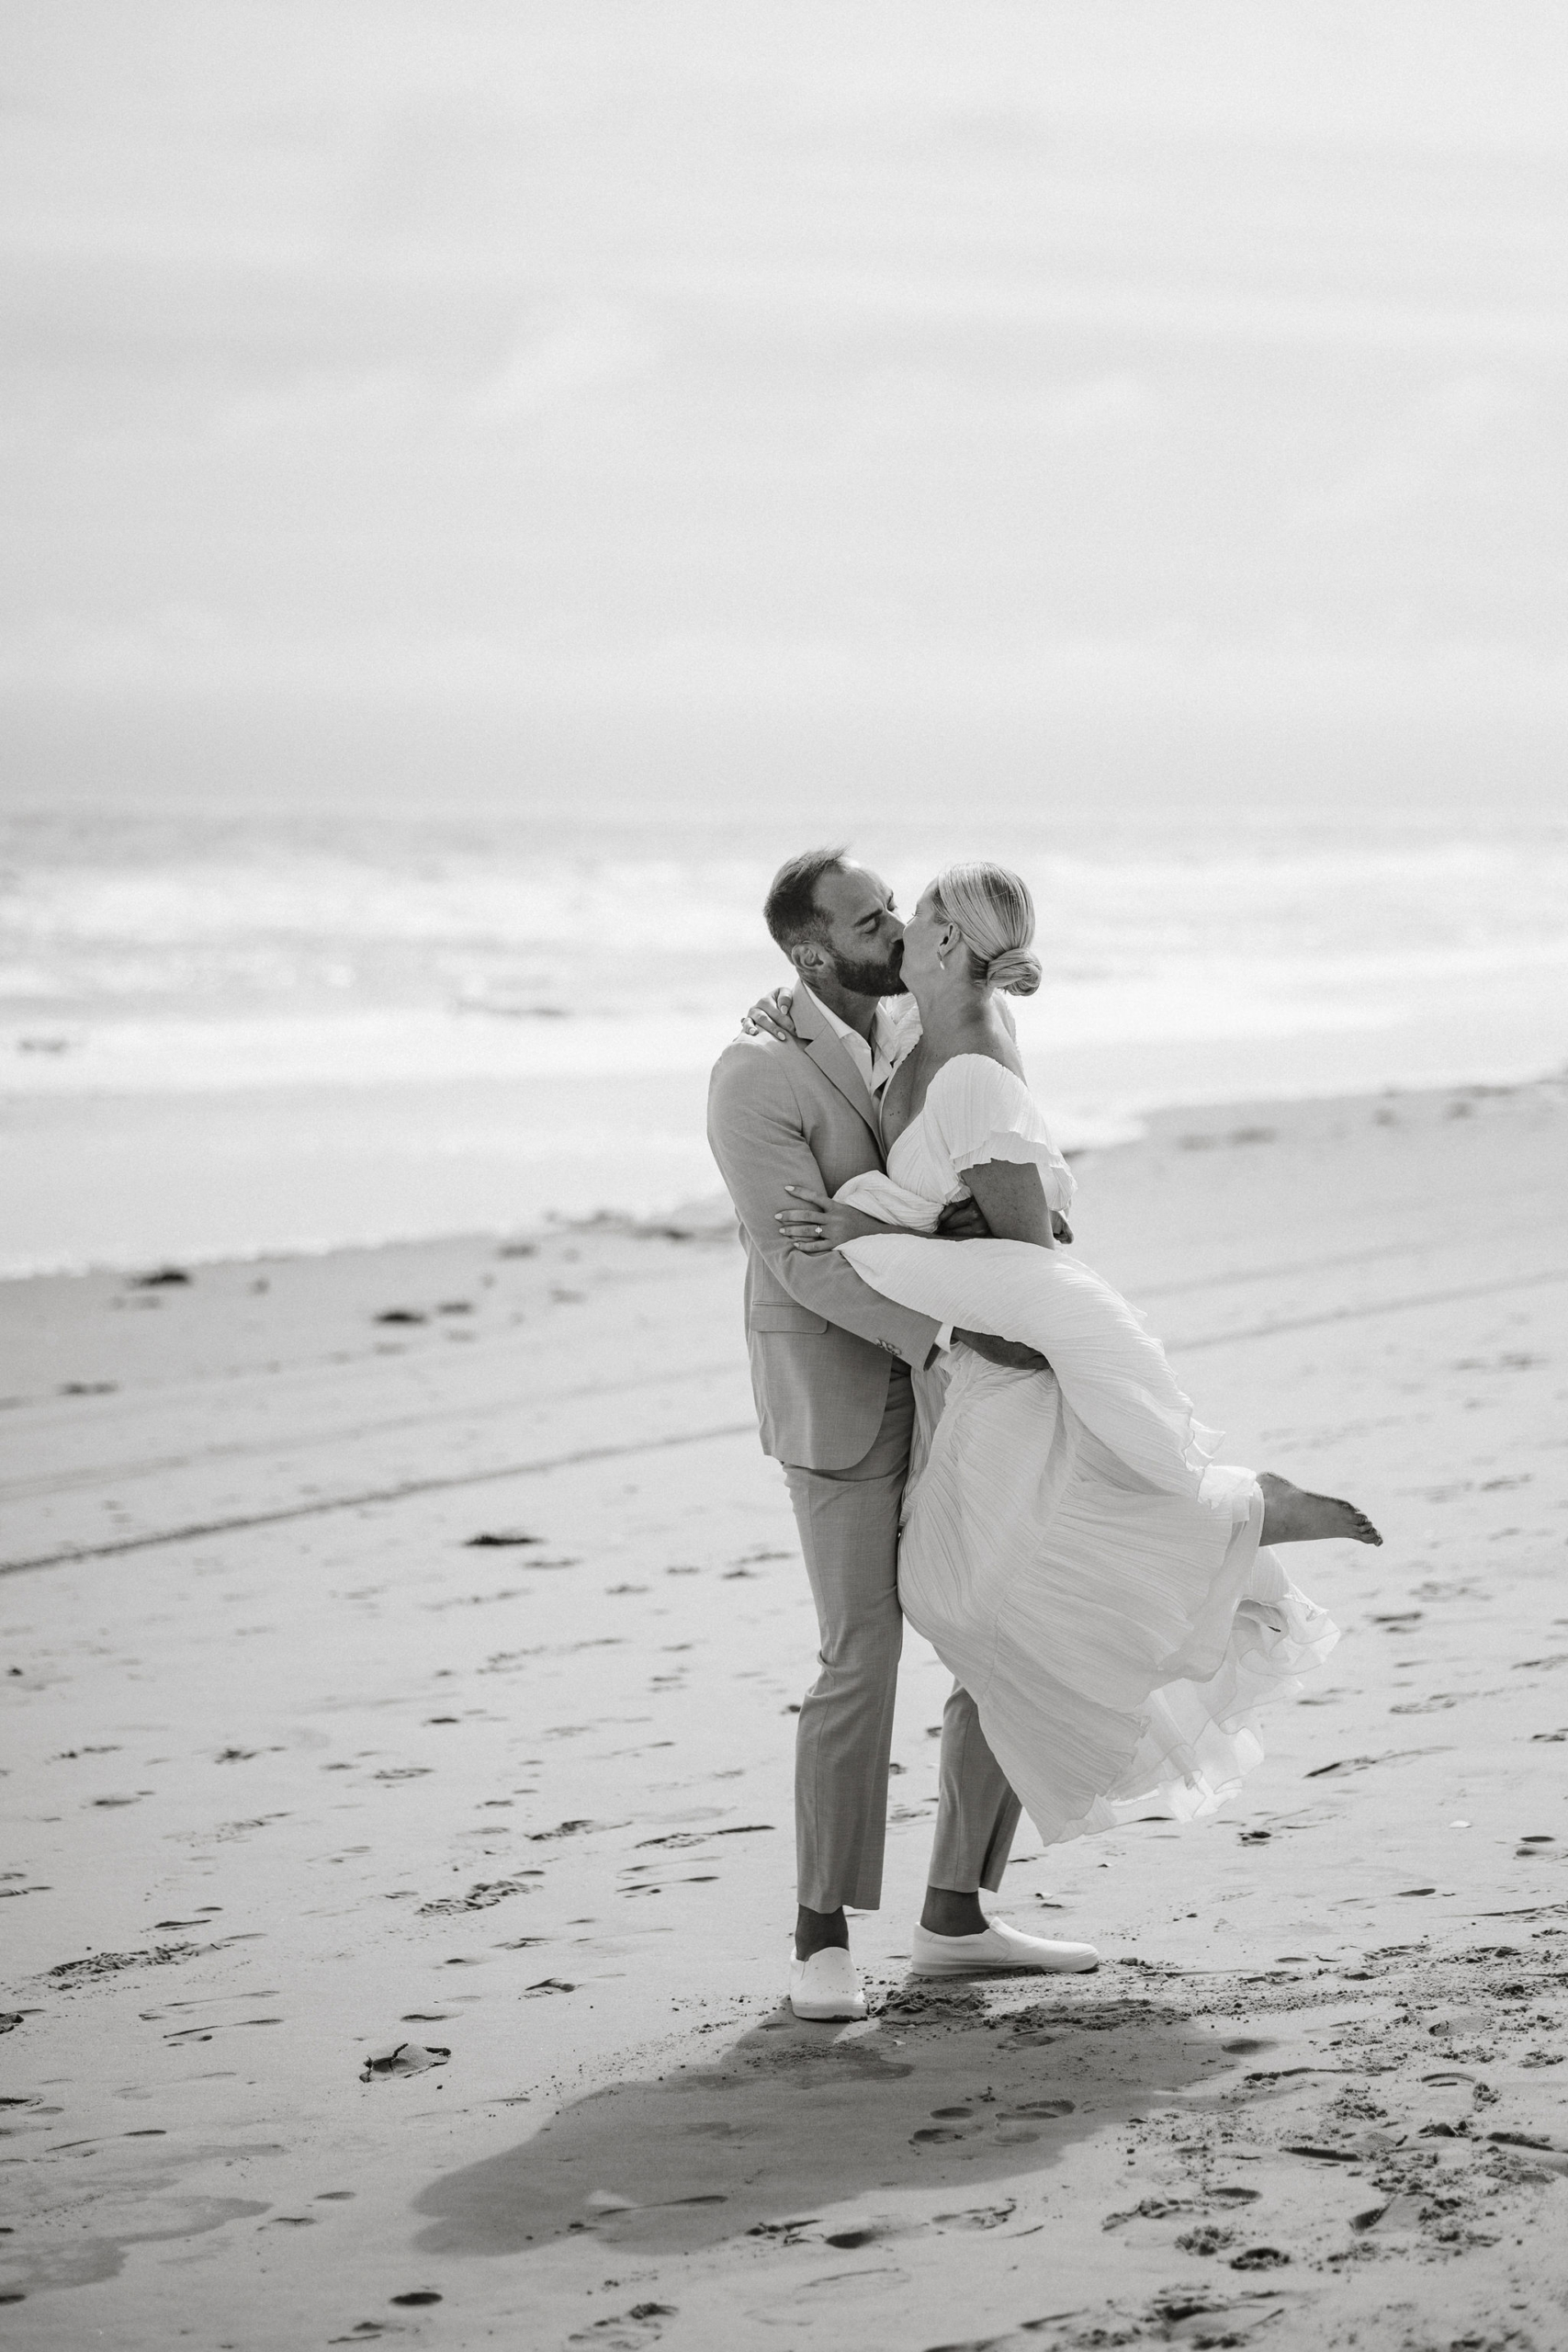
{"x": 828, "y": 1052}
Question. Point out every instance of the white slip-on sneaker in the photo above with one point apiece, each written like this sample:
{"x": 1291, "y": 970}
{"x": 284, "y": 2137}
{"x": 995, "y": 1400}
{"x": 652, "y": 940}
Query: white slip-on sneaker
{"x": 1001, "y": 1951}
{"x": 826, "y": 1986}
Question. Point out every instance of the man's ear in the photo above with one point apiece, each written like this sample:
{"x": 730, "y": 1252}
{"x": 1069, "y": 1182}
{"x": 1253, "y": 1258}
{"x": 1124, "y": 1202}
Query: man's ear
{"x": 809, "y": 960}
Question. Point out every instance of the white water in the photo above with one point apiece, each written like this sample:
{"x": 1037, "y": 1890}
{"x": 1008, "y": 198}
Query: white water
{"x": 292, "y": 1035}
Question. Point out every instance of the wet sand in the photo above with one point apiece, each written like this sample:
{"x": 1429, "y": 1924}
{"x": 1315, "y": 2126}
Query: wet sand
{"x": 396, "y": 1920}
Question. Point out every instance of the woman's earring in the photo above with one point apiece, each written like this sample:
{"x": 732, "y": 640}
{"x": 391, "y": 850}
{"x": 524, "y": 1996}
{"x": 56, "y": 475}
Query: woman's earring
{"x": 942, "y": 961}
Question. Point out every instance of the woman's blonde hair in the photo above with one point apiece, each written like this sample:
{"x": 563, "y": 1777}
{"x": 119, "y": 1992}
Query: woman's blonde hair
{"x": 995, "y": 915}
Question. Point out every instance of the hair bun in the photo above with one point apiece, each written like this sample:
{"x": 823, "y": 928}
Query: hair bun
{"x": 1016, "y": 970}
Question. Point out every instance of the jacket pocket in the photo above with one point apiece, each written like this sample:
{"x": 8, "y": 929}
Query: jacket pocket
{"x": 784, "y": 1316}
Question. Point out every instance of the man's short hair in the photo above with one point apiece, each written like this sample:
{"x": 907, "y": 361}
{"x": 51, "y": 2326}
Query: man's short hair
{"x": 790, "y": 908}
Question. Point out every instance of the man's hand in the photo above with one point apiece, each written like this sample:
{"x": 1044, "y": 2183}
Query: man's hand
{"x": 1011, "y": 1353}
{"x": 965, "y": 1221}
{"x": 962, "y": 1221}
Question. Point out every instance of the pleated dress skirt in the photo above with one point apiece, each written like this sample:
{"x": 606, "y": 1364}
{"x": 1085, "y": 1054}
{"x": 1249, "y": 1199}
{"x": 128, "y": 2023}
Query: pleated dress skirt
{"x": 1090, "y": 1576}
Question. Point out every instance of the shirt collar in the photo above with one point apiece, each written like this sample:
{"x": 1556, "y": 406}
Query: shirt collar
{"x": 889, "y": 1030}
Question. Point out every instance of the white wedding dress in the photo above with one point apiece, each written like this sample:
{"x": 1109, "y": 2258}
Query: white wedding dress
{"x": 1069, "y": 1549}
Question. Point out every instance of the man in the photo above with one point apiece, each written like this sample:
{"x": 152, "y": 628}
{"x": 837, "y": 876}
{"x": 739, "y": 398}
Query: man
{"x": 833, "y": 1368}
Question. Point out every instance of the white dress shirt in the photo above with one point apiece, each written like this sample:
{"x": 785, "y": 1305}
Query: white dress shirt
{"x": 894, "y": 1033}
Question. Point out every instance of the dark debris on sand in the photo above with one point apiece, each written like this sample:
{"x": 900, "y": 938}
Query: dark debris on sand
{"x": 68, "y": 1973}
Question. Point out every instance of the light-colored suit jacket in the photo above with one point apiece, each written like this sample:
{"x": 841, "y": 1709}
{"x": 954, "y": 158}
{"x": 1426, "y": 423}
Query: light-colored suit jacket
{"x": 820, "y": 1340}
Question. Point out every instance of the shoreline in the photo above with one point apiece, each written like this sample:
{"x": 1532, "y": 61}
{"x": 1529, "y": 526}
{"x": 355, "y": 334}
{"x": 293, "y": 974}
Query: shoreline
{"x": 483, "y": 1755}
{"x": 1093, "y": 1135}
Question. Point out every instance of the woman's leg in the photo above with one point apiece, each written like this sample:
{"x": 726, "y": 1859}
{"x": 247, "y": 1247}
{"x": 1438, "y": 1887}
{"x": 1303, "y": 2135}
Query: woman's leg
{"x": 976, "y": 1820}
{"x": 1292, "y": 1515}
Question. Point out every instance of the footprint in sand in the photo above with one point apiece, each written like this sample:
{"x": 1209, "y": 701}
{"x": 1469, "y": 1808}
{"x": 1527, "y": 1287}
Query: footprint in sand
{"x": 628, "y": 2331}
{"x": 1208, "y": 2239}
{"x": 1541, "y": 2154}
{"x": 1183, "y": 2318}
{"x": 1403, "y": 2213}
{"x": 1159, "y": 2208}
{"x": 975, "y": 2217}
{"x": 825, "y": 2293}
{"x": 1150, "y": 2208}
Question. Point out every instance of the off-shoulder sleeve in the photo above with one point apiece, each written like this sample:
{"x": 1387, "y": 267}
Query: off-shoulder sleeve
{"x": 978, "y": 1111}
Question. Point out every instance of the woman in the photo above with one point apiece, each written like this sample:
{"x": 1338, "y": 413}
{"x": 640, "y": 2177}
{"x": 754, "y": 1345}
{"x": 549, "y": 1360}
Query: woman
{"x": 1097, "y": 1583}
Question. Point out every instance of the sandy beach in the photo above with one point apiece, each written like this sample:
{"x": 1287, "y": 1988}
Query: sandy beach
{"x": 312, "y": 1563}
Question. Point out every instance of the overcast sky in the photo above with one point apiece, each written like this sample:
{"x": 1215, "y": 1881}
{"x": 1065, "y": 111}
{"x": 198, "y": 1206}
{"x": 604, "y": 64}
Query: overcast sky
{"x": 647, "y": 400}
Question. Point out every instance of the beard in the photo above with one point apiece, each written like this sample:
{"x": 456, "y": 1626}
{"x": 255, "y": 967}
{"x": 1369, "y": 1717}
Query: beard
{"x": 870, "y": 980}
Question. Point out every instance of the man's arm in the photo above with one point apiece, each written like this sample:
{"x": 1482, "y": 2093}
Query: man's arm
{"x": 758, "y": 1141}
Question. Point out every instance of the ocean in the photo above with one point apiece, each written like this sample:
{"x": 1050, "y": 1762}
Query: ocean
{"x": 233, "y": 1035}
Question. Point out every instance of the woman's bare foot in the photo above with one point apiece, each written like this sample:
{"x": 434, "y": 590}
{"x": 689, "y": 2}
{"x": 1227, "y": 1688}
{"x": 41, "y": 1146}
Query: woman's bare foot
{"x": 1291, "y": 1515}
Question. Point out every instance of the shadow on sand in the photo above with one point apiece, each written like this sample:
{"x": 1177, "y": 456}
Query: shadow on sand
{"x": 943, "y": 2090}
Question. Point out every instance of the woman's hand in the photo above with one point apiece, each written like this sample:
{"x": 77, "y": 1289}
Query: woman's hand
{"x": 773, "y": 1016}
{"x": 819, "y": 1224}
{"x": 964, "y": 1220}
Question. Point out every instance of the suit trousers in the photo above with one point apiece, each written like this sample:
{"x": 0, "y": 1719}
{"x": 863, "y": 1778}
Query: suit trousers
{"x": 848, "y": 1533}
